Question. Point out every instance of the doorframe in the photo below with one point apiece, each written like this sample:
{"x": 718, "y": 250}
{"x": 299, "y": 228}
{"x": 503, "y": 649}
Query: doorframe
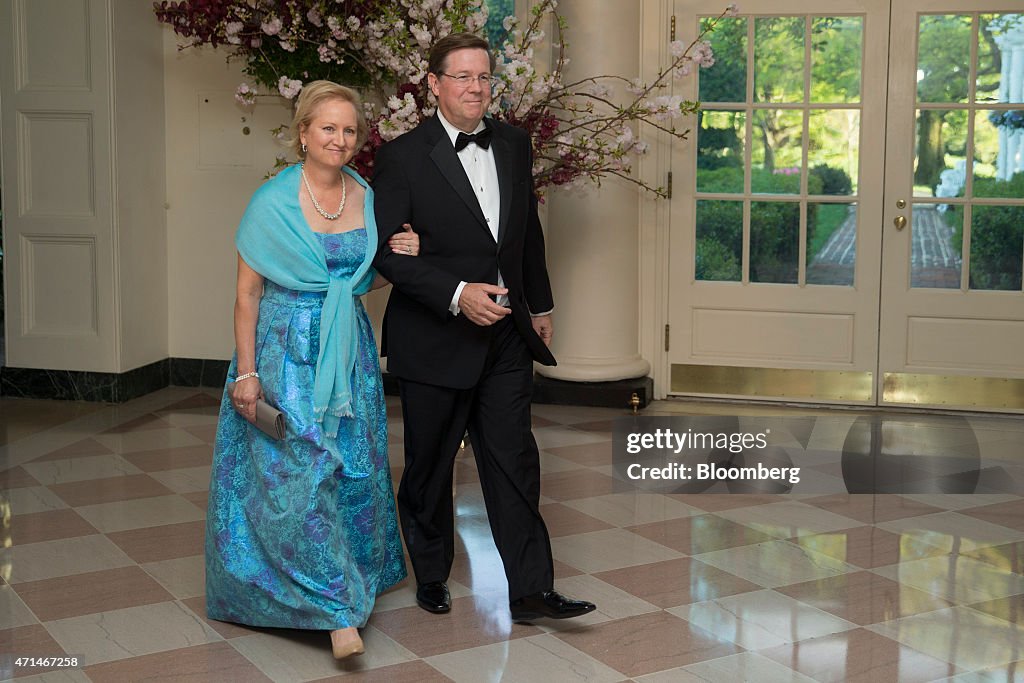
{"x": 654, "y": 215}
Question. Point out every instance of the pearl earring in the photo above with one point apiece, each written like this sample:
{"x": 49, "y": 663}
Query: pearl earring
{"x": 303, "y": 148}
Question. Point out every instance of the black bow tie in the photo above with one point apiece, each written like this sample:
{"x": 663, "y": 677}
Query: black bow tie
{"x": 482, "y": 140}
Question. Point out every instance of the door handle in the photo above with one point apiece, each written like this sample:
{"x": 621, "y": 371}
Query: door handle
{"x": 900, "y": 222}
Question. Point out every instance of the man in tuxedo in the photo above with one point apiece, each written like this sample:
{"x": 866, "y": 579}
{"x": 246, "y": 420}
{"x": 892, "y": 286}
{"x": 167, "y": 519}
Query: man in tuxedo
{"x": 464, "y": 322}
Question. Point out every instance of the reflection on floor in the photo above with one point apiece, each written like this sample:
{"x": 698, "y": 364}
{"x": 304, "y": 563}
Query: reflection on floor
{"x": 103, "y": 559}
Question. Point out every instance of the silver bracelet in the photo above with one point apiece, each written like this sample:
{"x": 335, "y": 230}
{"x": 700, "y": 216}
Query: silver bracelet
{"x": 247, "y": 376}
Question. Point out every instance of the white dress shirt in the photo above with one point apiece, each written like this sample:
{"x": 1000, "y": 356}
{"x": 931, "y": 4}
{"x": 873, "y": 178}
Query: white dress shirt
{"x": 483, "y": 176}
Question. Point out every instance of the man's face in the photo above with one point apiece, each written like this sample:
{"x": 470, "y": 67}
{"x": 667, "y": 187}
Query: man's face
{"x": 463, "y": 104}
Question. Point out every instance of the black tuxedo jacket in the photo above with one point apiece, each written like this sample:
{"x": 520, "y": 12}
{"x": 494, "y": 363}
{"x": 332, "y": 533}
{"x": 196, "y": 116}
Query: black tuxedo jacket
{"x": 418, "y": 179}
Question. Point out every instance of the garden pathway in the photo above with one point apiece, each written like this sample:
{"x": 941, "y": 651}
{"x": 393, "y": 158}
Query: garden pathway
{"x": 935, "y": 262}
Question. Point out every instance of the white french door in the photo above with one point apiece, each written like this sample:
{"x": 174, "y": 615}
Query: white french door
{"x": 789, "y": 277}
{"x": 952, "y": 314}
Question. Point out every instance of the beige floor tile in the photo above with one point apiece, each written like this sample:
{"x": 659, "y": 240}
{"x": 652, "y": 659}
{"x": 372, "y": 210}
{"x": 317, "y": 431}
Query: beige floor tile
{"x": 13, "y": 610}
{"x": 1008, "y": 673}
{"x": 187, "y": 480}
{"x": 17, "y": 478}
{"x": 80, "y": 469}
{"x": 611, "y": 549}
{"x": 183, "y": 577}
{"x": 197, "y": 606}
{"x": 745, "y": 666}
{"x": 148, "y": 440}
{"x": 539, "y": 658}
{"x": 117, "y": 634}
{"x": 143, "y": 512}
{"x": 864, "y": 597}
{"x": 211, "y": 662}
{"x": 171, "y": 458}
{"x": 700, "y": 533}
{"x": 26, "y": 501}
{"x": 58, "y": 676}
{"x": 165, "y": 542}
{"x": 553, "y": 463}
{"x": 198, "y": 498}
{"x": 79, "y": 449}
{"x": 859, "y": 656}
{"x": 557, "y": 436}
{"x": 716, "y": 502}
{"x": 788, "y": 519}
{"x": 871, "y": 509}
{"x": 48, "y": 526}
{"x": 958, "y": 501}
{"x": 971, "y": 639}
{"x": 139, "y": 424}
{"x": 416, "y": 671}
{"x": 948, "y": 529}
{"x": 960, "y": 580}
{"x": 289, "y": 655}
{"x": 868, "y": 546}
{"x": 562, "y": 520}
{"x": 677, "y": 582}
{"x": 587, "y": 455}
{"x": 404, "y": 595}
{"x": 761, "y": 619}
{"x": 64, "y": 557}
{"x": 190, "y": 418}
{"x": 1008, "y": 557}
{"x": 91, "y": 592}
{"x": 633, "y": 507}
{"x": 775, "y": 563}
{"x": 647, "y": 643}
{"x": 112, "y": 489}
{"x": 1009, "y": 609}
{"x": 564, "y": 414}
{"x": 1009, "y": 514}
{"x": 473, "y": 622}
{"x": 575, "y": 484}
{"x": 612, "y": 602}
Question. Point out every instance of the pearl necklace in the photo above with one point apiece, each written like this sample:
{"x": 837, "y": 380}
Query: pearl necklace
{"x": 316, "y": 204}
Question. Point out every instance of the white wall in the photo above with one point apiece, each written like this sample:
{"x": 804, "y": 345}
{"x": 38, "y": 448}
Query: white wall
{"x": 213, "y": 167}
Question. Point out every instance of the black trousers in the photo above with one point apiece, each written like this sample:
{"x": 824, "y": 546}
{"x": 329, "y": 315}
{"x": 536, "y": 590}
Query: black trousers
{"x": 497, "y": 413}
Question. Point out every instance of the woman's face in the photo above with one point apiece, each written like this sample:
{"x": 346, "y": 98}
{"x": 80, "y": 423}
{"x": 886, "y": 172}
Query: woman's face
{"x": 330, "y": 137}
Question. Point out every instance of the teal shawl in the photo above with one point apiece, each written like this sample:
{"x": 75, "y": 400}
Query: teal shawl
{"x": 277, "y": 242}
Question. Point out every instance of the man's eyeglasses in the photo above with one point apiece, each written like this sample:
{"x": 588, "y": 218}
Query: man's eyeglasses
{"x": 463, "y": 80}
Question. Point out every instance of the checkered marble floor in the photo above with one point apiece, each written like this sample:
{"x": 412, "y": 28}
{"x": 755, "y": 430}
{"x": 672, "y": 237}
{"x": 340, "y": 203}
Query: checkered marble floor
{"x": 103, "y": 511}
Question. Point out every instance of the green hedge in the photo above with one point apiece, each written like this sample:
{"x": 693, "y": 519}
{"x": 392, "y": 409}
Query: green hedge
{"x": 997, "y": 235}
{"x": 774, "y": 243}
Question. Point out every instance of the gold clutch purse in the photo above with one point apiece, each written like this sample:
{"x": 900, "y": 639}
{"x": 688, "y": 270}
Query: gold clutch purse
{"x": 269, "y": 420}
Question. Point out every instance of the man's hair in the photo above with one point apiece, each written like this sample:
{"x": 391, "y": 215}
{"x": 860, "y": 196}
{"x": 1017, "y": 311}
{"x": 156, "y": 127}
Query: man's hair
{"x": 312, "y": 96}
{"x": 449, "y": 44}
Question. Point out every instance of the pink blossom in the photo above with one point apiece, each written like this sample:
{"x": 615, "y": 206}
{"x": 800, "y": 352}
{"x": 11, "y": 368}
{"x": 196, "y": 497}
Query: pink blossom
{"x": 245, "y": 95}
{"x": 272, "y": 27}
{"x": 289, "y": 88}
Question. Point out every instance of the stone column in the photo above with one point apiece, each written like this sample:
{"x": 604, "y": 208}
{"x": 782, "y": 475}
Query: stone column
{"x": 592, "y": 240}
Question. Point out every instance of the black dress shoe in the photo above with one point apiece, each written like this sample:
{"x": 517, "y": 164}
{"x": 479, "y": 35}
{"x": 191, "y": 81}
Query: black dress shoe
{"x": 550, "y": 604}
{"x": 434, "y": 597}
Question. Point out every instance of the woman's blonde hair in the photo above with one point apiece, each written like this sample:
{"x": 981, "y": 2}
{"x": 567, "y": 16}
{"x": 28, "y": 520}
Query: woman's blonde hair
{"x": 312, "y": 96}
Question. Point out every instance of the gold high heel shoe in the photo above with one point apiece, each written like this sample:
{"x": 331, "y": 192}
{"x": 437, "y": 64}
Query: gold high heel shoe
{"x": 346, "y": 642}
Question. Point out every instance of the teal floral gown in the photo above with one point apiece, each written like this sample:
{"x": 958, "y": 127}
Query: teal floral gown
{"x": 302, "y": 533}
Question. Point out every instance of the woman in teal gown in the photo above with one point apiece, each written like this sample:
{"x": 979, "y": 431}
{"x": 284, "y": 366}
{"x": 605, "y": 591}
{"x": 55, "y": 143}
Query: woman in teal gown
{"x": 302, "y": 532}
